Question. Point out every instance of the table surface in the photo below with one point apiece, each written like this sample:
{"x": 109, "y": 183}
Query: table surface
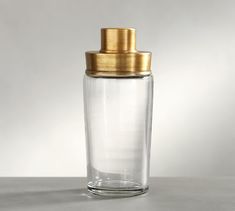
{"x": 71, "y": 194}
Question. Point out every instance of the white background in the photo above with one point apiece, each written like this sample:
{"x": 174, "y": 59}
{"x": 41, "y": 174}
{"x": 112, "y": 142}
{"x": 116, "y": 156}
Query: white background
{"x": 42, "y": 45}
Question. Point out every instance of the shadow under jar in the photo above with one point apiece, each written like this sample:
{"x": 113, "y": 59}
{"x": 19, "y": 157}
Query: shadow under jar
{"x": 118, "y": 94}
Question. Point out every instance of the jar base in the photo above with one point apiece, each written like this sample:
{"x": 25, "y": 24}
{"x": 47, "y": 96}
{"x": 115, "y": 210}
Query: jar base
{"x": 116, "y": 191}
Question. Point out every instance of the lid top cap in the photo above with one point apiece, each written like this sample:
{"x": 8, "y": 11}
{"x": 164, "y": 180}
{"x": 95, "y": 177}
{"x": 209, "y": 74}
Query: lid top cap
{"x": 118, "y": 40}
{"x": 118, "y": 56}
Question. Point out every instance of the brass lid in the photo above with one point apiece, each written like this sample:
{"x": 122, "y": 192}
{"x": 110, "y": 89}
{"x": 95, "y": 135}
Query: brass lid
{"x": 118, "y": 56}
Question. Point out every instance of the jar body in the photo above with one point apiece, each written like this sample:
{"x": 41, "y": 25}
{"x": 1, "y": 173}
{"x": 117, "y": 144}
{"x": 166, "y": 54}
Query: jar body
{"x": 118, "y": 119}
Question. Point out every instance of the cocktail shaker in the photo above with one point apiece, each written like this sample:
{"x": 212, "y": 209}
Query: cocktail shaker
{"x": 118, "y": 98}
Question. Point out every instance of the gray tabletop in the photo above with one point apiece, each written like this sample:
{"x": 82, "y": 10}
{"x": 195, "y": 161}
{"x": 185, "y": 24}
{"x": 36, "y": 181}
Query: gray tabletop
{"x": 71, "y": 194}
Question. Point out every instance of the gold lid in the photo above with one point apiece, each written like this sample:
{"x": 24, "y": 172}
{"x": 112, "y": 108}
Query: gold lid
{"x": 118, "y": 56}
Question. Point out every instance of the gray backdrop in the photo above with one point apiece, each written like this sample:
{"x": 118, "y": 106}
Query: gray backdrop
{"x": 42, "y": 45}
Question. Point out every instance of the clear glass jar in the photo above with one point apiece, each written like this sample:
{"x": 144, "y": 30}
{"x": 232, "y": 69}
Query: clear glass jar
{"x": 118, "y": 115}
